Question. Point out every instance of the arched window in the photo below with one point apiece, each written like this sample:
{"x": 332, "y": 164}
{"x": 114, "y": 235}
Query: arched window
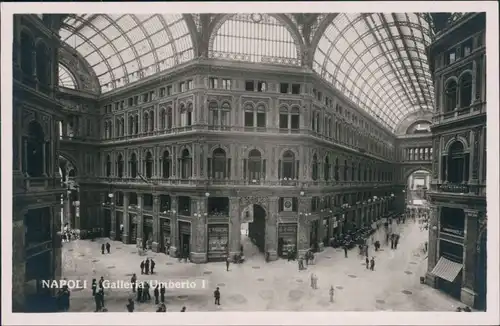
{"x": 108, "y": 166}
{"x": 458, "y": 163}
{"x": 136, "y": 124}
{"x": 133, "y": 165}
{"x": 145, "y": 122}
{"x": 255, "y": 165}
{"x": 122, "y": 129}
{"x": 35, "y": 150}
{"x": 288, "y": 166}
{"x": 186, "y": 113}
{"x": 151, "y": 121}
{"x": 167, "y": 160}
{"x": 336, "y": 170}
{"x": 219, "y": 164}
{"x": 219, "y": 115}
{"x": 466, "y": 90}
{"x": 326, "y": 171}
{"x": 346, "y": 170}
{"x": 170, "y": 120}
{"x": 42, "y": 64}
{"x": 315, "y": 166}
{"x": 353, "y": 172}
{"x": 148, "y": 164}
{"x": 186, "y": 170}
{"x": 163, "y": 119}
{"x": 27, "y": 54}
{"x": 450, "y": 96}
{"x": 119, "y": 166}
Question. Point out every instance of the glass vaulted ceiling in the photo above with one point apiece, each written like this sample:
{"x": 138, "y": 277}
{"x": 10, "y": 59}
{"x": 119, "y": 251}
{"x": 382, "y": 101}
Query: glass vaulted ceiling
{"x": 379, "y": 62}
{"x": 124, "y": 48}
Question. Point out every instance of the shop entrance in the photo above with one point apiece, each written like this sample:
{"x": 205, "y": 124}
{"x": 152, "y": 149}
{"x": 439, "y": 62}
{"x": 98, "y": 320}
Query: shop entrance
{"x": 257, "y": 228}
{"x": 184, "y": 238}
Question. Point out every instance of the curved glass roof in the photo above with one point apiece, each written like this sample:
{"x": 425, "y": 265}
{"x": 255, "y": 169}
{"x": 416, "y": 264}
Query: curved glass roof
{"x": 66, "y": 78}
{"x": 125, "y": 48}
{"x": 379, "y": 62}
{"x": 260, "y": 38}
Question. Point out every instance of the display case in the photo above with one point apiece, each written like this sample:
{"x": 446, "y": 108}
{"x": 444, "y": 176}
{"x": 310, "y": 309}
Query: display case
{"x": 218, "y": 238}
{"x": 287, "y": 238}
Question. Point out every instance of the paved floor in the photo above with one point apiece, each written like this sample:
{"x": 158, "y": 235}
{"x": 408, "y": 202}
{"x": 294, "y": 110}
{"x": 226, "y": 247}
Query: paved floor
{"x": 258, "y": 286}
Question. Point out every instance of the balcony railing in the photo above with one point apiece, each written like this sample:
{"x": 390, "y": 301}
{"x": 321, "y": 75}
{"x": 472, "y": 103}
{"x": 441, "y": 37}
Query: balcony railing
{"x": 461, "y": 188}
{"x": 459, "y": 113}
{"x": 454, "y": 188}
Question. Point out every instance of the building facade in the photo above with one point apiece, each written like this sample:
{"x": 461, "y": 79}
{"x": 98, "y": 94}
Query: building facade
{"x": 457, "y": 236}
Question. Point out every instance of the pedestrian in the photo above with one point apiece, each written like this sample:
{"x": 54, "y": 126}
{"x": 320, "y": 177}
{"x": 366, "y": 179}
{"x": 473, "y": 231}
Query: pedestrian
{"x": 64, "y": 296}
{"x": 345, "y": 251}
{"x": 153, "y": 264}
{"x": 108, "y": 247}
{"x": 162, "y": 293}
{"x": 97, "y": 299}
{"x": 314, "y": 281}
{"x": 139, "y": 292}
{"x": 217, "y": 296}
{"x": 133, "y": 280}
{"x": 367, "y": 261}
{"x": 157, "y": 294}
{"x": 146, "y": 266}
{"x": 142, "y": 267}
{"x": 396, "y": 240}
{"x": 94, "y": 287}
{"x": 145, "y": 291}
{"x": 425, "y": 246}
{"x": 130, "y": 306}
{"x": 101, "y": 281}
{"x": 332, "y": 291}
{"x": 102, "y": 249}
{"x": 372, "y": 264}
{"x": 228, "y": 261}
{"x": 183, "y": 309}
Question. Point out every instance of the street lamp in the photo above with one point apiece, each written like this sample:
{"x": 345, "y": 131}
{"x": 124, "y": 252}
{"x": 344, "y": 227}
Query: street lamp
{"x": 302, "y": 193}
{"x": 111, "y": 195}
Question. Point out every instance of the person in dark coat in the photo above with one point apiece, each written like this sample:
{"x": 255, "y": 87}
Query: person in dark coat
{"x": 372, "y": 264}
{"x": 183, "y": 309}
{"x": 152, "y": 265}
{"x": 130, "y": 305}
{"x": 108, "y": 247}
{"x": 145, "y": 292}
{"x": 345, "y": 251}
{"x": 139, "y": 292}
{"x": 162, "y": 293}
{"x": 217, "y": 296}
{"x": 146, "y": 266}
{"x": 396, "y": 240}
{"x": 102, "y": 249}
{"x": 142, "y": 267}
{"x": 94, "y": 287}
{"x": 156, "y": 293}
{"x": 97, "y": 299}
{"x": 101, "y": 281}
{"x": 228, "y": 261}
{"x": 133, "y": 280}
{"x": 367, "y": 261}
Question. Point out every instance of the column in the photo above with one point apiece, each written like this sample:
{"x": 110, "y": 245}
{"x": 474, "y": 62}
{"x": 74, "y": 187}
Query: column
{"x": 303, "y": 225}
{"x": 271, "y": 229}
{"x": 126, "y": 219}
{"x": 156, "y": 224}
{"x": 321, "y": 233}
{"x": 432, "y": 248}
{"x": 234, "y": 226}
{"x": 468, "y": 294}
{"x": 140, "y": 221}
{"x": 173, "y": 225}
{"x": 199, "y": 229}
{"x": 112, "y": 233}
{"x": 470, "y": 177}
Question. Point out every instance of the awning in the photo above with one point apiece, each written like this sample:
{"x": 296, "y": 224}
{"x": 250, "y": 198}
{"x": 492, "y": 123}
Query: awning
{"x": 447, "y": 269}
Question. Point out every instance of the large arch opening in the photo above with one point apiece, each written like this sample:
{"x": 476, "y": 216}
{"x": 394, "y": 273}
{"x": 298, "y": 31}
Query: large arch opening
{"x": 417, "y": 185}
{"x": 255, "y": 227}
{"x": 70, "y": 211}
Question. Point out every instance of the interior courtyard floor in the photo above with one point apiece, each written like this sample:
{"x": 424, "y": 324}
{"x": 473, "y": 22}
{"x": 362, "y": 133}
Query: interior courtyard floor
{"x": 255, "y": 285}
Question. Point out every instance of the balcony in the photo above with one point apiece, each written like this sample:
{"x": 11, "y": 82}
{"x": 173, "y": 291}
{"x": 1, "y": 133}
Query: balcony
{"x": 454, "y": 188}
{"x": 460, "y": 113}
{"x": 461, "y": 188}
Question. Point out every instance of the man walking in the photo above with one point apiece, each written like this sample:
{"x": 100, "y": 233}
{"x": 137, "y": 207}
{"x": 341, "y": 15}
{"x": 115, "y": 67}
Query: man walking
{"x": 372, "y": 264}
{"x": 331, "y": 293}
{"x": 152, "y": 265}
{"x": 228, "y": 261}
{"x": 367, "y": 262}
{"x": 108, "y": 247}
{"x": 133, "y": 280}
{"x": 217, "y": 296}
{"x": 345, "y": 251}
{"x": 146, "y": 266}
{"x": 142, "y": 267}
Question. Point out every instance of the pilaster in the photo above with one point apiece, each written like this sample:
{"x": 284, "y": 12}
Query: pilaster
{"x": 156, "y": 223}
{"x": 126, "y": 219}
{"x": 140, "y": 221}
{"x": 468, "y": 294}
{"x": 173, "y": 225}
{"x": 432, "y": 249}
{"x": 303, "y": 225}
{"x": 112, "y": 233}
{"x": 199, "y": 236}
{"x": 271, "y": 229}
{"x": 234, "y": 226}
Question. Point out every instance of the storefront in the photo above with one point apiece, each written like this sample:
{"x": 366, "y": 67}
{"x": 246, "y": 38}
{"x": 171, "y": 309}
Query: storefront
{"x": 184, "y": 237}
{"x": 287, "y": 238}
{"x": 449, "y": 268}
{"x": 165, "y": 234}
{"x": 218, "y": 238}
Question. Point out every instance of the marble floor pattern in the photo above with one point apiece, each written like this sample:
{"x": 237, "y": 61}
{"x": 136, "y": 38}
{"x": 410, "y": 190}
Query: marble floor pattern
{"x": 274, "y": 286}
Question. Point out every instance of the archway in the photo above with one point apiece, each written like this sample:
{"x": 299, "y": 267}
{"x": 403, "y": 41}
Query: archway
{"x": 70, "y": 212}
{"x": 257, "y": 227}
{"x": 417, "y": 184}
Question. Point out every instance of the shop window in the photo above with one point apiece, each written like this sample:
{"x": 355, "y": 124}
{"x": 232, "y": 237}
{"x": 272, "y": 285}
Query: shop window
{"x": 452, "y": 221}
{"x": 451, "y": 251}
{"x": 218, "y": 206}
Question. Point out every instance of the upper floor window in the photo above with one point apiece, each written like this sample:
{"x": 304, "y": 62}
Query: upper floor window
{"x": 219, "y": 115}
{"x": 315, "y": 168}
{"x": 249, "y": 85}
{"x": 182, "y": 86}
{"x": 288, "y": 166}
{"x": 450, "y": 96}
{"x": 466, "y": 90}
{"x": 295, "y": 88}
{"x": 189, "y": 85}
{"x": 169, "y": 90}
{"x": 213, "y": 82}
{"x": 162, "y": 92}
{"x": 226, "y": 84}
{"x": 451, "y": 56}
{"x": 186, "y": 115}
{"x": 255, "y": 117}
{"x": 284, "y": 88}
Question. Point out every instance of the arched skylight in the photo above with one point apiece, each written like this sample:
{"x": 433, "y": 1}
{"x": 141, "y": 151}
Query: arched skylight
{"x": 66, "y": 78}
{"x": 258, "y": 38}
{"x": 125, "y": 48}
{"x": 379, "y": 62}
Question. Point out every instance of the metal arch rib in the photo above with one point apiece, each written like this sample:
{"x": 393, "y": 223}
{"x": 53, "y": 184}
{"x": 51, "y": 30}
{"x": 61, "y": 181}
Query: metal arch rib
{"x": 171, "y": 37}
{"x": 130, "y": 44}
{"x": 421, "y": 59}
{"x": 71, "y": 28}
{"x": 405, "y": 46}
{"x": 85, "y": 21}
{"x": 148, "y": 37}
{"x": 108, "y": 41}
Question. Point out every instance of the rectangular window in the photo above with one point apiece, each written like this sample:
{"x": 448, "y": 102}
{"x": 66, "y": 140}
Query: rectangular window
{"x": 162, "y": 92}
{"x": 152, "y": 95}
{"x": 182, "y": 86}
{"x": 249, "y": 85}
{"x": 169, "y": 90}
{"x": 320, "y": 96}
{"x": 145, "y": 98}
{"x": 295, "y": 88}
{"x": 261, "y": 86}
{"x": 283, "y": 88}
{"x": 467, "y": 47}
{"x": 213, "y": 82}
{"x": 189, "y": 85}
{"x": 451, "y": 56}
{"x": 130, "y": 101}
{"x": 295, "y": 121}
{"x": 248, "y": 119}
{"x": 122, "y": 105}
{"x": 136, "y": 100}
{"x": 226, "y": 83}
{"x": 261, "y": 119}
{"x": 283, "y": 121}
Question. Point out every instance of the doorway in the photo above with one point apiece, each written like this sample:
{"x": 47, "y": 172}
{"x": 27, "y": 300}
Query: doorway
{"x": 107, "y": 223}
{"x": 257, "y": 228}
{"x": 147, "y": 233}
{"x": 184, "y": 238}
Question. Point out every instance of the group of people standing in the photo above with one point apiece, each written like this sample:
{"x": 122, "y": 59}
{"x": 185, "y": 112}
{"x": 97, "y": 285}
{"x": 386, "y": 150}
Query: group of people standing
{"x": 98, "y": 294}
{"x": 146, "y": 265}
